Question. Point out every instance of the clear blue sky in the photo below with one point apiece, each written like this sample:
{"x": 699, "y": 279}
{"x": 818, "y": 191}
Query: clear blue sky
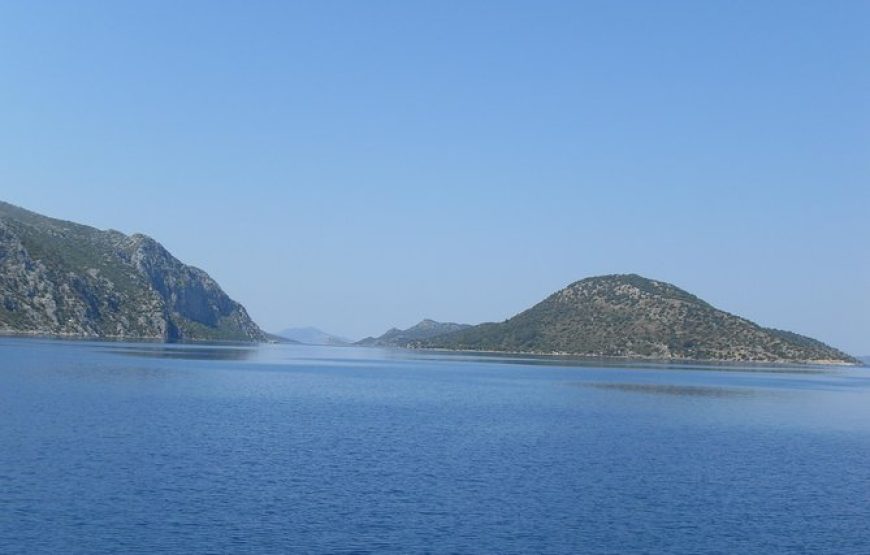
{"x": 360, "y": 165}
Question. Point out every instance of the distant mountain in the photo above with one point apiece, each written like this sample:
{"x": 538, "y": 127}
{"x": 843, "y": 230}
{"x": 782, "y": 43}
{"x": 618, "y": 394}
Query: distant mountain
{"x": 426, "y": 329}
{"x": 632, "y": 316}
{"x": 865, "y": 360}
{"x": 62, "y": 278}
{"x": 313, "y": 336}
{"x": 274, "y": 338}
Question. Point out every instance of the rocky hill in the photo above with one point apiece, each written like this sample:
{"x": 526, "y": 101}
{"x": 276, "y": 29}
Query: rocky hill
{"x": 426, "y": 329}
{"x": 65, "y": 279}
{"x": 631, "y": 316}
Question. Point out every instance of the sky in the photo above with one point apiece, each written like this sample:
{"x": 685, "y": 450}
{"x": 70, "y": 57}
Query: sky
{"x": 361, "y": 165}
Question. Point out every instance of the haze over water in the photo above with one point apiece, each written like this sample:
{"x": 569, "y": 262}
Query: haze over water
{"x": 110, "y": 447}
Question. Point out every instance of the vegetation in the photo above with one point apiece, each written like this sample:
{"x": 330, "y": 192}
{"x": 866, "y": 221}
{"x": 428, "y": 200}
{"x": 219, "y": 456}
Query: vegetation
{"x": 631, "y": 316}
{"x": 426, "y": 329}
{"x": 62, "y": 278}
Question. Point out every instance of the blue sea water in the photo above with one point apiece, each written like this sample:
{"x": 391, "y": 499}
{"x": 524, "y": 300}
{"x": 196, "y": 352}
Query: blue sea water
{"x": 118, "y": 447}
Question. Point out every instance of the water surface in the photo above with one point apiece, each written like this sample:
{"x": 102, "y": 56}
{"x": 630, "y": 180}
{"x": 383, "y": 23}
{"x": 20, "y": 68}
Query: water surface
{"x": 113, "y": 447}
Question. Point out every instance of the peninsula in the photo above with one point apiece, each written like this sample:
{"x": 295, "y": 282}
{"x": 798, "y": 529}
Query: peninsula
{"x": 59, "y": 278}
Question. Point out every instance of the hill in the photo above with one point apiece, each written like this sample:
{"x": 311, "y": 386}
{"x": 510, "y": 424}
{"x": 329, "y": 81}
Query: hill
{"x": 66, "y": 279}
{"x": 632, "y": 316}
{"x": 424, "y": 330}
{"x": 312, "y": 336}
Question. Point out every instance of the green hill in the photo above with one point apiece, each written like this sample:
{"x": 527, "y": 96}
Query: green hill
{"x": 425, "y": 329}
{"x": 632, "y": 316}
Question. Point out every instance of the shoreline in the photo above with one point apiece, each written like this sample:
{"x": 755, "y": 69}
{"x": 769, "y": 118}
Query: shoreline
{"x": 553, "y": 355}
{"x": 577, "y": 356}
{"x": 124, "y": 338}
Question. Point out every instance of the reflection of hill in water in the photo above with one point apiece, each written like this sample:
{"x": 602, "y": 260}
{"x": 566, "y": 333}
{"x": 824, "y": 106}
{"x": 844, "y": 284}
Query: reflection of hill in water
{"x": 678, "y": 390}
{"x": 197, "y": 352}
{"x": 567, "y": 361}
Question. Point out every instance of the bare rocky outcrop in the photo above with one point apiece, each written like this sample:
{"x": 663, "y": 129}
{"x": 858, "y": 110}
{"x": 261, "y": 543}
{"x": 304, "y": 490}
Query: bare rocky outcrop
{"x": 66, "y": 279}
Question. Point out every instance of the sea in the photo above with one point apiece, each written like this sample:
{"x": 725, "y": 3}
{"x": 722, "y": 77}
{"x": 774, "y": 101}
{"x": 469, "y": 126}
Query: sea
{"x": 154, "y": 448}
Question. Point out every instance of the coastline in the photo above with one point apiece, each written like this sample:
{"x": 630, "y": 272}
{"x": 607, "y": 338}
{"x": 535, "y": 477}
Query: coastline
{"x": 552, "y": 355}
{"x": 124, "y": 338}
{"x": 578, "y": 356}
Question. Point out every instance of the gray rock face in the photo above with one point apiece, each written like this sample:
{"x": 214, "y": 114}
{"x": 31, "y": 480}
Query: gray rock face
{"x": 62, "y": 278}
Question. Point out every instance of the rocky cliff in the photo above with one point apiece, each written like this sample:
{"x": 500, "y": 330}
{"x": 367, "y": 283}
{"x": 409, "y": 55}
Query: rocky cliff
{"x": 66, "y": 279}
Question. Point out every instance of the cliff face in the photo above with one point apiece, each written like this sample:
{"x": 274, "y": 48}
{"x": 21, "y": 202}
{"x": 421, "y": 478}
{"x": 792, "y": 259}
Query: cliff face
{"x": 632, "y": 316}
{"x": 62, "y": 278}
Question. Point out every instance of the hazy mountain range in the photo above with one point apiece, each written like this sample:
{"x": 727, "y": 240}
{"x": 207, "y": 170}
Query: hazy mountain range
{"x": 312, "y": 336}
